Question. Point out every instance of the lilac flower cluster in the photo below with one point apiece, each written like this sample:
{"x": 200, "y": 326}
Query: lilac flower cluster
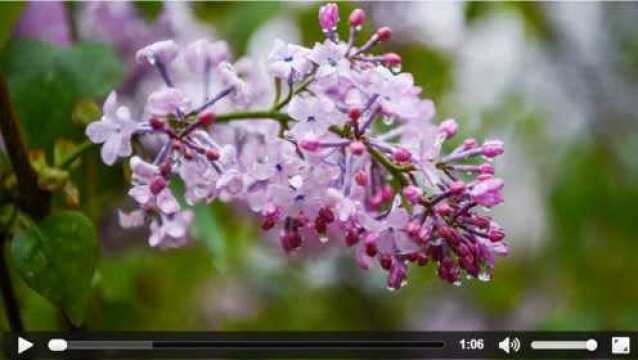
{"x": 345, "y": 151}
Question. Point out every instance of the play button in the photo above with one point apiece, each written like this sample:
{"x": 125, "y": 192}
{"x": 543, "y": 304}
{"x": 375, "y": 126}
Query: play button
{"x": 23, "y": 345}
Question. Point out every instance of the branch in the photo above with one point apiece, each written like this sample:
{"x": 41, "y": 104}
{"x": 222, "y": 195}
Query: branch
{"x": 31, "y": 199}
{"x": 10, "y": 301}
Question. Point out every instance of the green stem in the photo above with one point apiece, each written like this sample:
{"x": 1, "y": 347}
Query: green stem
{"x": 77, "y": 152}
{"x": 256, "y": 115}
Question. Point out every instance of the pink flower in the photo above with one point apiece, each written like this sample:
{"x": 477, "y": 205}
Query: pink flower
{"x": 114, "y": 130}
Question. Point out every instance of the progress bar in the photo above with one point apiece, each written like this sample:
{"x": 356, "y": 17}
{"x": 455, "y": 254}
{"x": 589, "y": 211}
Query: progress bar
{"x": 60, "y": 345}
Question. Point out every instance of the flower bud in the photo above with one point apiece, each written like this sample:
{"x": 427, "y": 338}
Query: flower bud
{"x": 469, "y": 143}
{"x": 385, "y": 261}
{"x": 401, "y": 155}
{"x": 370, "y": 244}
{"x": 422, "y": 259}
{"x": 486, "y": 168}
{"x": 361, "y": 178}
{"x": 309, "y": 144}
{"x": 357, "y": 148}
{"x": 326, "y": 215}
{"x": 166, "y": 168}
{"x": 496, "y": 234}
{"x": 413, "y": 228}
{"x": 290, "y": 241}
{"x": 212, "y": 154}
{"x": 384, "y": 33}
{"x": 268, "y": 223}
{"x": 156, "y": 124}
{"x": 206, "y": 119}
{"x": 157, "y": 185}
{"x": 413, "y": 194}
{"x": 492, "y": 148}
{"x": 329, "y": 17}
{"x": 443, "y": 209}
{"x": 391, "y": 59}
{"x": 357, "y": 17}
{"x": 449, "y": 234}
{"x": 457, "y": 187}
{"x": 488, "y": 192}
{"x": 354, "y": 114}
{"x": 352, "y": 237}
{"x": 387, "y": 193}
{"x": 449, "y": 127}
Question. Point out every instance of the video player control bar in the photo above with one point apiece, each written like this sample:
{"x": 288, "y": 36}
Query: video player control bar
{"x": 372, "y": 345}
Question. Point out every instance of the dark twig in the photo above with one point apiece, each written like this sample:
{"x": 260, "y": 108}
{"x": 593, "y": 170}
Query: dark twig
{"x": 31, "y": 199}
{"x": 11, "y": 308}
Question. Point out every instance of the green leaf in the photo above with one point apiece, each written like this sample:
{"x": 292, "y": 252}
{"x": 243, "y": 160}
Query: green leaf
{"x": 208, "y": 230}
{"x": 47, "y": 81}
{"x": 57, "y": 257}
{"x": 9, "y": 14}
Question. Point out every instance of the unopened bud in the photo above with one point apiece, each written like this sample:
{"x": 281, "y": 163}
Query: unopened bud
{"x": 391, "y": 59}
{"x": 357, "y": 17}
{"x": 357, "y": 148}
{"x": 212, "y": 154}
{"x": 206, "y": 119}
{"x": 157, "y": 185}
{"x": 354, "y": 114}
{"x": 361, "y": 178}
{"x": 384, "y": 33}
{"x": 492, "y": 148}
{"x": 413, "y": 194}
{"x": 449, "y": 127}
{"x": 401, "y": 155}
{"x": 156, "y": 124}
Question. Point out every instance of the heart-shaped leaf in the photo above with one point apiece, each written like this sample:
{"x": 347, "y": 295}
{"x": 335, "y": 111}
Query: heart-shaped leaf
{"x": 56, "y": 257}
{"x": 46, "y": 82}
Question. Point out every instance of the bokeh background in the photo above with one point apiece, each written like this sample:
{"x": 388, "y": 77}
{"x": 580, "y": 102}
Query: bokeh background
{"x": 558, "y": 82}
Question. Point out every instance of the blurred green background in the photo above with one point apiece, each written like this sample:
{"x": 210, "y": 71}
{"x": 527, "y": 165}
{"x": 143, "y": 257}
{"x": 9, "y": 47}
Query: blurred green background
{"x": 558, "y": 82}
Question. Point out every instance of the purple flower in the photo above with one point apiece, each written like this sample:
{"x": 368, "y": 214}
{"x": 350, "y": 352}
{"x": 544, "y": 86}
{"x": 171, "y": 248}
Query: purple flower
{"x": 162, "y": 51}
{"x": 150, "y": 189}
{"x": 167, "y": 101}
{"x": 332, "y": 62}
{"x": 114, "y": 130}
{"x": 315, "y": 165}
{"x": 203, "y": 54}
{"x": 46, "y": 21}
{"x": 171, "y": 230}
{"x": 288, "y": 61}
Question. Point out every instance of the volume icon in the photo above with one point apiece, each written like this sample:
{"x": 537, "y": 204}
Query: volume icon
{"x": 508, "y": 345}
